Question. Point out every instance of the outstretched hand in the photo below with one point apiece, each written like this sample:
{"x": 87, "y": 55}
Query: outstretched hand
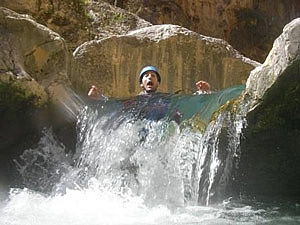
{"x": 94, "y": 93}
{"x": 203, "y": 86}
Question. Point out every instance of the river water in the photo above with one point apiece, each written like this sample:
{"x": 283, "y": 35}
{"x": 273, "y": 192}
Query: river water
{"x": 139, "y": 162}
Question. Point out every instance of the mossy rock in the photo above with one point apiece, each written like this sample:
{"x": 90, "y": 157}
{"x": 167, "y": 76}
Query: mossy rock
{"x": 270, "y": 159}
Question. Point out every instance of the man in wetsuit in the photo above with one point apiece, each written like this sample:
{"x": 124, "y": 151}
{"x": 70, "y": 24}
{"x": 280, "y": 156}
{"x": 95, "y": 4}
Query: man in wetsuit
{"x": 149, "y": 79}
{"x": 147, "y": 105}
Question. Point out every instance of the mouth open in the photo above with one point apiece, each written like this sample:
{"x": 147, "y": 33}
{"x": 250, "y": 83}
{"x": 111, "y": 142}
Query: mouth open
{"x": 149, "y": 83}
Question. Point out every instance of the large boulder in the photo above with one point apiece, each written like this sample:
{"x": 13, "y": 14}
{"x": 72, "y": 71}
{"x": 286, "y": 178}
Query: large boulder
{"x": 68, "y": 18}
{"x": 78, "y": 21}
{"x": 32, "y": 51}
{"x": 270, "y": 150}
{"x": 182, "y": 57}
{"x": 258, "y": 142}
{"x": 34, "y": 69}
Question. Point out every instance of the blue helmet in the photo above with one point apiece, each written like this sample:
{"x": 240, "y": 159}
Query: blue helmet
{"x": 149, "y": 68}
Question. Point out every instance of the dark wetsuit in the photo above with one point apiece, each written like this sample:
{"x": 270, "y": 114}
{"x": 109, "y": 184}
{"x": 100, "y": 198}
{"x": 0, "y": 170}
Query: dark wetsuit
{"x": 152, "y": 106}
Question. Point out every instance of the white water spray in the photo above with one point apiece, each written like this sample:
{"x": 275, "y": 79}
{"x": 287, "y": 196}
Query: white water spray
{"x": 128, "y": 170}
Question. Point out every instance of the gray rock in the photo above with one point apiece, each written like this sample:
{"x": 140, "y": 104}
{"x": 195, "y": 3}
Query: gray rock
{"x": 270, "y": 159}
{"x": 32, "y": 52}
{"x": 107, "y": 20}
{"x": 34, "y": 69}
{"x": 182, "y": 57}
{"x": 284, "y": 55}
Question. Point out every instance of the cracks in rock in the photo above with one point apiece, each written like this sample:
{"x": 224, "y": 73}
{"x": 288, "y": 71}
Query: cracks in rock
{"x": 38, "y": 46}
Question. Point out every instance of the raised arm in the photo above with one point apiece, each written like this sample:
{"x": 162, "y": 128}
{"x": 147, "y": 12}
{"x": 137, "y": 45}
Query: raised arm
{"x": 94, "y": 93}
{"x": 203, "y": 87}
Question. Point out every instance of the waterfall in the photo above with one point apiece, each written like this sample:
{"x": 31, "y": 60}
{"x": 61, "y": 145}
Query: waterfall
{"x": 136, "y": 146}
{"x": 135, "y": 163}
{"x": 157, "y": 159}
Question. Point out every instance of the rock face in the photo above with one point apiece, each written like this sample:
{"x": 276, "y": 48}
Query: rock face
{"x": 34, "y": 67}
{"x": 78, "y": 21}
{"x": 68, "y": 18}
{"x": 107, "y": 20}
{"x": 270, "y": 151}
{"x": 283, "y": 56}
{"x": 182, "y": 56}
{"x": 30, "y": 50}
{"x": 249, "y": 26}
{"x": 32, "y": 53}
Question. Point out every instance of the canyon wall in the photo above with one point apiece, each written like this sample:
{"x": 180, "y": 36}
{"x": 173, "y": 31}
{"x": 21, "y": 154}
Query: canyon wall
{"x": 250, "y": 26}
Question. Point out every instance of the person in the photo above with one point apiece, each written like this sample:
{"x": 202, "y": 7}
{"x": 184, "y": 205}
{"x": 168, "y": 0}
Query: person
{"x": 150, "y": 80}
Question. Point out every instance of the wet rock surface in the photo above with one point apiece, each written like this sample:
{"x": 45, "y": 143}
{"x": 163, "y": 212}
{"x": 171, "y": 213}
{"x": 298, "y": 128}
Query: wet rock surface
{"x": 270, "y": 147}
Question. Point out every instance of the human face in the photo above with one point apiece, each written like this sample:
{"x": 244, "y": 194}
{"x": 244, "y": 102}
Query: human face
{"x": 150, "y": 82}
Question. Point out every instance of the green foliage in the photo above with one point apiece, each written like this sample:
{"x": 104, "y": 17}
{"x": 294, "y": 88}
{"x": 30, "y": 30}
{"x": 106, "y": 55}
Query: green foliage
{"x": 52, "y": 11}
{"x": 78, "y": 5}
{"x": 14, "y": 101}
{"x": 118, "y": 18}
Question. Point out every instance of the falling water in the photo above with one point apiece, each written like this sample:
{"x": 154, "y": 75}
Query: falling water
{"x": 136, "y": 164}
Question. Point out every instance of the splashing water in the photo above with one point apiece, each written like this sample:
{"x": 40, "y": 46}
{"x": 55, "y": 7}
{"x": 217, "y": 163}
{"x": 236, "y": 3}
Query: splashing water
{"x": 133, "y": 165}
